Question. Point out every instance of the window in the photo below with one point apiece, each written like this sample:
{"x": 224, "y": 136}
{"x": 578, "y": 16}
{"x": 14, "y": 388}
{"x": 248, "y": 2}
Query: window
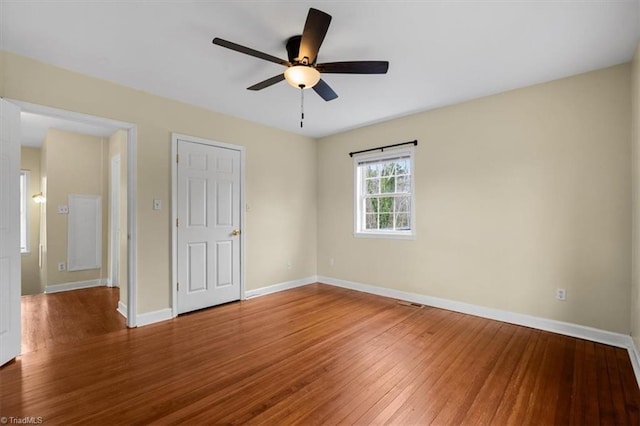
{"x": 24, "y": 212}
{"x": 384, "y": 204}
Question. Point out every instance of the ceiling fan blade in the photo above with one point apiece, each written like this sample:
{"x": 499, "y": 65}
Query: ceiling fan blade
{"x": 315, "y": 28}
{"x": 354, "y": 67}
{"x": 249, "y": 51}
{"x": 266, "y": 83}
{"x": 325, "y": 92}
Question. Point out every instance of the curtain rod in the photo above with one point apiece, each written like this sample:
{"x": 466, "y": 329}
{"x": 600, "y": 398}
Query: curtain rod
{"x": 382, "y": 148}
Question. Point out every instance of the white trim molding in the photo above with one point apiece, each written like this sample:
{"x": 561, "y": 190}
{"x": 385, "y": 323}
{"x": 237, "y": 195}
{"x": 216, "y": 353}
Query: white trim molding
{"x": 568, "y": 329}
{"x": 263, "y": 291}
{"x": 148, "y": 318}
{"x": 122, "y": 309}
{"x": 57, "y": 288}
{"x": 634, "y": 356}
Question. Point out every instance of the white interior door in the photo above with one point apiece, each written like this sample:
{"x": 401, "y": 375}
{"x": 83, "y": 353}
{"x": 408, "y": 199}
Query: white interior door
{"x": 10, "y": 327}
{"x": 208, "y": 228}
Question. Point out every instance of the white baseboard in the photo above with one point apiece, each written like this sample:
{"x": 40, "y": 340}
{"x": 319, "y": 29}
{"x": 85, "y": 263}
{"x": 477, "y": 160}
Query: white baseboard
{"x": 635, "y": 360}
{"x": 56, "y": 288}
{"x": 109, "y": 283}
{"x": 167, "y": 314}
{"x": 122, "y": 309}
{"x": 560, "y": 327}
{"x": 146, "y": 318}
{"x": 153, "y": 317}
{"x": 262, "y": 291}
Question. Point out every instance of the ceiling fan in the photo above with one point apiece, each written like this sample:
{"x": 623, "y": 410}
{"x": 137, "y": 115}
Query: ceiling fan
{"x": 302, "y": 50}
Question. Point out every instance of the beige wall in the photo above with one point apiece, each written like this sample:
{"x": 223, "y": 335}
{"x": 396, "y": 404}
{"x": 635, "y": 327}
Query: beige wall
{"x": 76, "y": 164}
{"x": 118, "y": 147}
{"x": 280, "y": 225}
{"x": 517, "y": 194}
{"x": 635, "y": 159}
{"x": 30, "y": 161}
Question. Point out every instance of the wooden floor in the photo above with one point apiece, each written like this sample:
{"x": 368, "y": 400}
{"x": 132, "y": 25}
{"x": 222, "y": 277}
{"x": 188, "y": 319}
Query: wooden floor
{"x": 324, "y": 355}
{"x": 69, "y": 317}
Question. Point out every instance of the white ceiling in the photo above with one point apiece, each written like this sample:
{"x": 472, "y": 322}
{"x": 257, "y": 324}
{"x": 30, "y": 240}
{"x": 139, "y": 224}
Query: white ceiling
{"x": 33, "y": 128}
{"x": 440, "y": 52}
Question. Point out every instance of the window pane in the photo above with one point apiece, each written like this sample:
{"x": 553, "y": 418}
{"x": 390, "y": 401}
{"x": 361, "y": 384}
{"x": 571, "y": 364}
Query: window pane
{"x": 387, "y": 185}
{"x": 372, "y": 170}
{"x": 386, "y": 205}
{"x": 402, "y": 221}
{"x": 371, "y": 205}
{"x": 402, "y": 167}
{"x": 386, "y": 221}
{"x": 404, "y": 184}
{"x": 403, "y": 204}
{"x": 388, "y": 169}
{"x": 373, "y": 186}
{"x": 372, "y": 221}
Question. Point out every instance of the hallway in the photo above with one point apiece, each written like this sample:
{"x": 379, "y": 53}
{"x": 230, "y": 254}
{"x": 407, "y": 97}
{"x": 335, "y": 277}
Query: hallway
{"x": 69, "y": 317}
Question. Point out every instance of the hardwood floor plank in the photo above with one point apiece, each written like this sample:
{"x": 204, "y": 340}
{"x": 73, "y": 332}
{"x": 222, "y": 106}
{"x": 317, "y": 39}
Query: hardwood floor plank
{"x": 400, "y": 344}
{"x": 449, "y": 383}
{"x": 69, "y": 317}
{"x": 543, "y": 398}
{"x": 370, "y": 388}
{"x": 617, "y": 393}
{"x": 475, "y": 375}
{"x": 592, "y": 406}
{"x": 489, "y": 396}
{"x": 410, "y": 393}
{"x": 579, "y": 388}
{"x": 512, "y": 407}
{"x": 605, "y": 396}
{"x": 319, "y": 355}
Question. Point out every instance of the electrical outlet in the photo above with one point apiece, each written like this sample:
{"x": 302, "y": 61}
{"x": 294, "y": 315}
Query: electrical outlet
{"x": 63, "y": 209}
{"x": 288, "y": 264}
{"x": 561, "y": 294}
{"x": 62, "y": 266}
{"x": 157, "y": 204}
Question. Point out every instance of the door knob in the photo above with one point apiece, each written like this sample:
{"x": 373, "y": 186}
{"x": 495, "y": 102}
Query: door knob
{"x": 235, "y": 232}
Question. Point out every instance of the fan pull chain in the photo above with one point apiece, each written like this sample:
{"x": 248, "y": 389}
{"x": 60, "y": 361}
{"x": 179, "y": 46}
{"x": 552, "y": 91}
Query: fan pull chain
{"x": 301, "y": 104}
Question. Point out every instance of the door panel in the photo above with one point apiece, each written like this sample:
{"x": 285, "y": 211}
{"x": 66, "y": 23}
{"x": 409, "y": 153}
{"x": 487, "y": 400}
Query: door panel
{"x": 224, "y": 263}
{"x": 10, "y": 327}
{"x": 208, "y": 207}
{"x": 197, "y": 203}
{"x": 197, "y": 276}
{"x": 224, "y": 204}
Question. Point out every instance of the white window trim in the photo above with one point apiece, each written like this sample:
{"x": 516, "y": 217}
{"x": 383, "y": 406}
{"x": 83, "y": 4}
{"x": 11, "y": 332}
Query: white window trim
{"x": 24, "y": 205}
{"x": 394, "y": 235}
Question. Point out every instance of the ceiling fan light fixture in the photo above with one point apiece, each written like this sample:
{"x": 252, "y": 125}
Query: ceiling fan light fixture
{"x": 302, "y": 75}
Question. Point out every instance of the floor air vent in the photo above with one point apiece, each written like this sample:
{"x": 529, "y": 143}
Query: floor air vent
{"x": 412, "y": 304}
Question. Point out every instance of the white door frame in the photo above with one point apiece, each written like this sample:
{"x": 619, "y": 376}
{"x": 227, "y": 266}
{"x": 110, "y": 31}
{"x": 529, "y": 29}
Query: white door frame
{"x": 174, "y": 211}
{"x": 132, "y": 173}
{"x": 114, "y": 221}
